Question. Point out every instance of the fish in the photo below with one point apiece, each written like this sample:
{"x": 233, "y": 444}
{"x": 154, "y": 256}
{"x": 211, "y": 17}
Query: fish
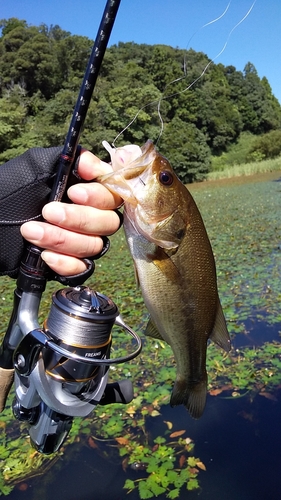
{"x": 174, "y": 265}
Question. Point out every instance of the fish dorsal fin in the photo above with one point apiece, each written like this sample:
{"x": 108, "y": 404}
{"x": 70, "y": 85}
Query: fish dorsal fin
{"x": 220, "y": 334}
{"x": 151, "y": 331}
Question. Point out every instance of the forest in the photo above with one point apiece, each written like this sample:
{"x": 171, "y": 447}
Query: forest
{"x": 205, "y": 108}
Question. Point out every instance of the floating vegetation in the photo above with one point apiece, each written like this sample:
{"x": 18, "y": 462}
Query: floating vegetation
{"x": 19, "y": 461}
{"x": 243, "y": 222}
{"x": 167, "y": 465}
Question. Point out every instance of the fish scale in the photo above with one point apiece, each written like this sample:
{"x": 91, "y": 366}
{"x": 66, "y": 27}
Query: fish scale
{"x": 175, "y": 266}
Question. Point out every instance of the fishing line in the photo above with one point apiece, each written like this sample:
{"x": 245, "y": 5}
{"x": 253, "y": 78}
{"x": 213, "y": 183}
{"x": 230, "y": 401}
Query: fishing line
{"x": 185, "y": 69}
{"x": 206, "y": 67}
{"x": 163, "y": 97}
{"x": 205, "y": 26}
{"x": 158, "y": 102}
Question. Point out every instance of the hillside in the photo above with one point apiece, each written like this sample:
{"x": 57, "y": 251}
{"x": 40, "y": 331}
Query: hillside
{"x": 41, "y": 69}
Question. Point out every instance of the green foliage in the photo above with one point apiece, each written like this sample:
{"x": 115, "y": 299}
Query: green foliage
{"x": 219, "y": 117}
{"x": 13, "y": 111}
{"x": 236, "y": 154}
{"x": 7, "y": 25}
{"x": 203, "y": 113}
{"x": 164, "y": 471}
{"x": 18, "y": 459}
{"x": 266, "y": 146}
{"x": 163, "y": 66}
{"x": 258, "y": 108}
{"x": 261, "y": 105}
{"x": 249, "y": 155}
{"x": 185, "y": 146}
{"x": 245, "y": 169}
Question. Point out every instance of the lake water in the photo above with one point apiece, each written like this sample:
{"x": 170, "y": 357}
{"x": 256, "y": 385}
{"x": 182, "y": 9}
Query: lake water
{"x": 238, "y": 439}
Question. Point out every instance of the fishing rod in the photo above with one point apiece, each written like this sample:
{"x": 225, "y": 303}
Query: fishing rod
{"x": 60, "y": 370}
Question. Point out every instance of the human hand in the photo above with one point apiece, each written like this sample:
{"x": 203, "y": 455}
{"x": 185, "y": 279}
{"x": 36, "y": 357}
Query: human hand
{"x": 73, "y": 231}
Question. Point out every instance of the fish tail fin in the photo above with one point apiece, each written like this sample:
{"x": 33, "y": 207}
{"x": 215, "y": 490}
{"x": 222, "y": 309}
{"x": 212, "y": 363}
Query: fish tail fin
{"x": 192, "y": 395}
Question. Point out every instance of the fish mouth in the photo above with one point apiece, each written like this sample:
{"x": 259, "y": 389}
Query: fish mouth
{"x": 125, "y": 182}
{"x": 128, "y": 181}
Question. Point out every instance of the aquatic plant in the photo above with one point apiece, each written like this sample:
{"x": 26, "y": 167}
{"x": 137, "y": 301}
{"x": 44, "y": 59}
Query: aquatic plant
{"x": 242, "y": 218}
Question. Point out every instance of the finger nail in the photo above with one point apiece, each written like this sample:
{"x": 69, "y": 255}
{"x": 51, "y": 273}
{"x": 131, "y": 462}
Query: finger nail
{"x": 105, "y": 248}
{"x": 50, "y": 258}
{"x": 54, "y": 212}
{"x": 79, "y": 193}
{"x": 120, "y": 215}
{"x": 32, "y": 231}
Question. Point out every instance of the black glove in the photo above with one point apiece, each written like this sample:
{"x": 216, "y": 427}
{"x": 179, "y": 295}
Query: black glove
{"x": 25, "y": 186}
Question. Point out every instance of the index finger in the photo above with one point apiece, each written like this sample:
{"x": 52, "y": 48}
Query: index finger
{"x": 93, "y": 194}
{"x": 90, "y": 166}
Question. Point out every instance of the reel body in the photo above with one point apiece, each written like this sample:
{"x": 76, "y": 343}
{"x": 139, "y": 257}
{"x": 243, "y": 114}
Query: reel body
{"x": 61, "y": 371}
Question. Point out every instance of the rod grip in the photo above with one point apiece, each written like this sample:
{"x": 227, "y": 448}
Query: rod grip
{"x": 6, "y": 382}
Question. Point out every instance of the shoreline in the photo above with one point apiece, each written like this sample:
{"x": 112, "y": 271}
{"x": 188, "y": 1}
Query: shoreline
{"x": 274, "y": 175}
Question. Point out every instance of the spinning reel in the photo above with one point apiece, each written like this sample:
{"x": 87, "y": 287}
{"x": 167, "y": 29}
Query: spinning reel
{"x": 61, "y": 370}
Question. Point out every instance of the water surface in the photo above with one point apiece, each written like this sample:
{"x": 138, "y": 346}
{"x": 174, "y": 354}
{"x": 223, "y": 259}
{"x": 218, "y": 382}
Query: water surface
{"x": 238, "y": 439}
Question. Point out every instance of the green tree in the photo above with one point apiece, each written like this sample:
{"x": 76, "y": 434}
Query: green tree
{"x": 40, "y": 58}
{"x": 163, "y": 66}
{"x": 266, "y": 146}
{"x": 203, "y": 107}
{"x": 13, "y": 113}
{"x": 7, "y": 25}
{"x": 122, "y": 108}
{"x": 217, "y": 116}
{"x": 186, "y": 148}
{"x": 272, "y": 111}
{"x": 258, "y": 108}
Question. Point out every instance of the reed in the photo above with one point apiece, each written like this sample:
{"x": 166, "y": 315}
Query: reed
{"x": 246, "y": 169}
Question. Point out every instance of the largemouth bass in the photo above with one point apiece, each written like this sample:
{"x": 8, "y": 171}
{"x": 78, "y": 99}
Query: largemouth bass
{"x": 174, "y": 264}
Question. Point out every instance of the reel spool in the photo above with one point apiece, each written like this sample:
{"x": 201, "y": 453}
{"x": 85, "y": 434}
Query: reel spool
{"x": 80, "y": 321}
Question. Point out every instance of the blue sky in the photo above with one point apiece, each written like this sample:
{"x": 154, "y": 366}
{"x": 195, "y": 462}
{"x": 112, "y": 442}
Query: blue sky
{"x": 174, "y": 22}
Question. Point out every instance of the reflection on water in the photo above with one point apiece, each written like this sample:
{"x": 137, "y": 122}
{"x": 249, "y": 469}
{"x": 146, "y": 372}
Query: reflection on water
{"x": 239, "y": 441}
{"x": 256, "y": 333}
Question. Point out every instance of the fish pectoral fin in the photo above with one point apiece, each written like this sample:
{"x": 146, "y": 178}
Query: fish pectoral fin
{"x": 162, "y": 260}
{"x": 220, "y": 333}
{"x": 136, "y": 276}
{"x": 152, "y": 331}
{"x": 170, "y": 232}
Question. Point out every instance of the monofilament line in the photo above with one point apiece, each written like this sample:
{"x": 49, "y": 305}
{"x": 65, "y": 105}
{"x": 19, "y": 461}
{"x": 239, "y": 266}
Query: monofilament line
{"x": 173, "y": 94}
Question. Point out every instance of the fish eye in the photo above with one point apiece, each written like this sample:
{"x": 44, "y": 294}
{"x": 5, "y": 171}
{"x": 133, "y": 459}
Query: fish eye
{"x": 166, "y": 178}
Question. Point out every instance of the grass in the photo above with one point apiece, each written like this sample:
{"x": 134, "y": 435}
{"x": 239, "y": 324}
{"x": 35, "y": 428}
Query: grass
{"x": 246, "y": 169}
